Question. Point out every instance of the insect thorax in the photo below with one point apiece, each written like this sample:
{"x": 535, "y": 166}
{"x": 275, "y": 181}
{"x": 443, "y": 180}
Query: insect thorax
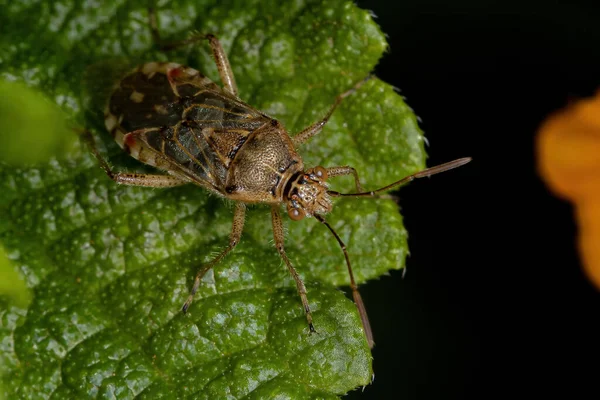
{"x": 263, "y": 167}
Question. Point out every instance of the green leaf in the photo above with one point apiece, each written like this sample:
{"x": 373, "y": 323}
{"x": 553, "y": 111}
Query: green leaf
{"x": 12, "y": 284}
{"x": 25, "y": 110}
{"x": 110, "y": 266}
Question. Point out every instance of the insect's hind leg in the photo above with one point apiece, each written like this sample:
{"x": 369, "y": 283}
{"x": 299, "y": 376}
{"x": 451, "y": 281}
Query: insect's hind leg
{"x": 239, "y": 215}
{"x": 279, "y": 239}
{"x": 219, "y": 55}
{"x": 124, "y": 178}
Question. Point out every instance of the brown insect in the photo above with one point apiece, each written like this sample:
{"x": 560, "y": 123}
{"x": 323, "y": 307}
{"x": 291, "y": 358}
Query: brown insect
{"x": 172, "y": 117}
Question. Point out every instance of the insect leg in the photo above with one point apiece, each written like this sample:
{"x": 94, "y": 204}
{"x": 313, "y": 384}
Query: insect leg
{"x": 315, "y": 128}
{"x": 123, "y": 178}
{"x": 219, "y": 55}
{"x": 223, "y": 65}
{"x": 340, "y": 171}
{"x": 239, "y": 216}
{"x": 279, "y": 239}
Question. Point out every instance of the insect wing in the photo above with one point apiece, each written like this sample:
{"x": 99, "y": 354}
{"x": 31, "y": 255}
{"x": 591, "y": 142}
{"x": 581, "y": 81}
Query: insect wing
{"x": 210, "y": 131}
{"x": 176, "y": 119}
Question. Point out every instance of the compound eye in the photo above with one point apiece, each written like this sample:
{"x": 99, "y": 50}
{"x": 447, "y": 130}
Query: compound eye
{"x": 320, "y": 173}
{"x": 296, "y": 214}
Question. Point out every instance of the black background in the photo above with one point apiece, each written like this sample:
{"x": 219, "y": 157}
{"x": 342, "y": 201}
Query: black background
{"x": 495, "y": 302}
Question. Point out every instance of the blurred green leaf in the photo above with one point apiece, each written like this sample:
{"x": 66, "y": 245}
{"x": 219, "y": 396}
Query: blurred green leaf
{"x": 33, "y": 129}
{"x": 11, "y": 283}
{"x": 110, "y": 266}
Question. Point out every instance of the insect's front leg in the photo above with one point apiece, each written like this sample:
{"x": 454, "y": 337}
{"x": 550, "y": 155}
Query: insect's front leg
{"x": 317, "y": 127}
{"x": 219, "y": 55}
{"x": 279, "y": 239}
{"x": 346, "y": 170}
{"x": 124, "y": 178}
{"x": 239, "y": 215}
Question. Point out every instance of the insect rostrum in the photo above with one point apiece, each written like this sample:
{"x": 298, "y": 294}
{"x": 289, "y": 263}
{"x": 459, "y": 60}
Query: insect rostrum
{"x": 172, "y": 117}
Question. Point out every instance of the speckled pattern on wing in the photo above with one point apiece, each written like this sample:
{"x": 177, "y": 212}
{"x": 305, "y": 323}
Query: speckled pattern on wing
{"x": 172, "y": 117}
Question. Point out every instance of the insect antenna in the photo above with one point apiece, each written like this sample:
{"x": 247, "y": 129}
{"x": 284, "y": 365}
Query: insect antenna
{"x": 421, "y": 174}
{"x": 360, "y": 305}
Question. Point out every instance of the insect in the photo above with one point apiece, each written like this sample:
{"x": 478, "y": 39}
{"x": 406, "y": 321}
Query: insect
{"x": 172, "y": 117}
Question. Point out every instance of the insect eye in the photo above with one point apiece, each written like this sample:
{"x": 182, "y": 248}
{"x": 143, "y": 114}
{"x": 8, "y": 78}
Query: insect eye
{"x": 296, "y": 214}
{"x": 320, "y": 172}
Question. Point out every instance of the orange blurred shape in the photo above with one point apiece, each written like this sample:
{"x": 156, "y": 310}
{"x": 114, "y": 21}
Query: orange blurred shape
{"x": 568, "y": 156}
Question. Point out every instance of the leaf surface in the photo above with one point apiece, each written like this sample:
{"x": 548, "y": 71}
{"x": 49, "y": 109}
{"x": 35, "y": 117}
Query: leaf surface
{"x": 110, "y": 266}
